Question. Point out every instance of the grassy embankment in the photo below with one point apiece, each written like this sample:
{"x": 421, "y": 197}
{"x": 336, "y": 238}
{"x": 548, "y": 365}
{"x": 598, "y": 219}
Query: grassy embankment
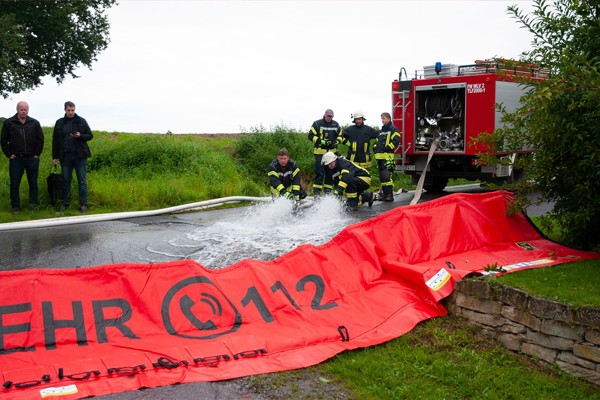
{"x": 442, "y": 358}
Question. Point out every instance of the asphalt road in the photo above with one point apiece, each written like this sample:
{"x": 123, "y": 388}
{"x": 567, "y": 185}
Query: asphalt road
{"x": 137, "y": 240}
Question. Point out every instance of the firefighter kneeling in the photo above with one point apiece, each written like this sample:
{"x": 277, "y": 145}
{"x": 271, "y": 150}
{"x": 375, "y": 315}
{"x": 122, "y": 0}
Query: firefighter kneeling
{"x": 350, "y": 180}
{"x": 284, "y": 177}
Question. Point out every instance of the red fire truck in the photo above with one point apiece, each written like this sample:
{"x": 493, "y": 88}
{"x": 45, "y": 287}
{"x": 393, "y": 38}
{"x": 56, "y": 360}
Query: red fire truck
{"x": 451, "y": 104}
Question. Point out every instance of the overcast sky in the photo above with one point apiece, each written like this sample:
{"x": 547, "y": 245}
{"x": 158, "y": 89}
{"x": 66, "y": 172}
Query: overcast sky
{"x": 230, "y": 66}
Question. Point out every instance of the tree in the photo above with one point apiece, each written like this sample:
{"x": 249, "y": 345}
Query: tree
{"x": 560, "y": 117}
{"x": 50, "y": 37}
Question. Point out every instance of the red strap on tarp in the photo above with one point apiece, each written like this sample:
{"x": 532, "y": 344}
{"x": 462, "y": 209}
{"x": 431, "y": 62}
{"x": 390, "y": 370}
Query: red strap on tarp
{"x": 90, "y": 331}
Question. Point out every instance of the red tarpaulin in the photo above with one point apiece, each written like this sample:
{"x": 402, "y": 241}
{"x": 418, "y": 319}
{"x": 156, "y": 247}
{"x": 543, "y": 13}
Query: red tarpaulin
{"x": 98, "y": 330}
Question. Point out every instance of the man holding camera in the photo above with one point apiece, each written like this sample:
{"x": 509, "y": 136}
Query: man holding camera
{"x": 69, "y": 146}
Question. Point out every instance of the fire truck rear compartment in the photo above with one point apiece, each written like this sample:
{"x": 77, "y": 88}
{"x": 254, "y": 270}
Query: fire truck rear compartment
{"x": 439, "y": 114}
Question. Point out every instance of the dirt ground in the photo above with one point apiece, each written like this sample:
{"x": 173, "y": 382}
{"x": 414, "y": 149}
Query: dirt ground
{"x": 306, "y": 383}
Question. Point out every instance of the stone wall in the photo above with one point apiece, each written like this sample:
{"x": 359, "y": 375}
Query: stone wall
{"x": 551, "y": 331}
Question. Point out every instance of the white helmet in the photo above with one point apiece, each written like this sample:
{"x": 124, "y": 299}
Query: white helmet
{"x": 358, "y": 114}
{"x": 328, "y": 158}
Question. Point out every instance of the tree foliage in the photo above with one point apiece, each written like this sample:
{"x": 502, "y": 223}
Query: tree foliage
{"x": 50, "y": 37}
{"x": 560, "y": 118}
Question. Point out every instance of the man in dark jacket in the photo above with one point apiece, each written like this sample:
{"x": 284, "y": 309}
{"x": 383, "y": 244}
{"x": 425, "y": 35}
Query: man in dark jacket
{"x": 387, "y": 142}
{"x": 325, "y": 135}
{"x": 351, "y": 181}
{"x": 284, "y": 177}
{"x": 22, "y": 142}
{"x": 69, "y": 146}
{"x": 358, "y": 138}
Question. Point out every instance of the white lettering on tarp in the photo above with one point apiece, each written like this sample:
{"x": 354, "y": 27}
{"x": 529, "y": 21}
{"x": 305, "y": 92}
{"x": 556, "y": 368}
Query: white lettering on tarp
{"x": 476, "y": 88}
{"x": 58, "y": 391}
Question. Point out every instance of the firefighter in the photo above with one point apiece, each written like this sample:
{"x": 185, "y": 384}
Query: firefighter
{"x": 358, "y": 138}
{"x": 325, "y": 134}
{"x": 351, "y": 181}
{"x": 387, "y": 142}
{"x": 284, "y": 177}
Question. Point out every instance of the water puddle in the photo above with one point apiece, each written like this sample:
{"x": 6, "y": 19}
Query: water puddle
{"x": 264, "y": 232}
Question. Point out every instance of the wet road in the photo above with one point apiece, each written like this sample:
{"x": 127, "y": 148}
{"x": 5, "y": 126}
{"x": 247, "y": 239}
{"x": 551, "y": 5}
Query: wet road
{"x": 160, "y": 239}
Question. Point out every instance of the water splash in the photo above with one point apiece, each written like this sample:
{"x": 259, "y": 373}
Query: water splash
{"x": 264, "y": 232}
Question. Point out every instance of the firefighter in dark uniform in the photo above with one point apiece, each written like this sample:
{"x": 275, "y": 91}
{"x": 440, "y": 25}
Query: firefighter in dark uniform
{"x": 325, "y": 134}
{"x": 351, "y": 181}
{"x": 358, "y": 138}
{"x": 387, "y": 143}
{"x": 284, "y": 177}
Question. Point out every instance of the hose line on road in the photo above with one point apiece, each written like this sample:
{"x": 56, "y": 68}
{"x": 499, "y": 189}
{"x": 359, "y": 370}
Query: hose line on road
{"x": 83, "y": 219}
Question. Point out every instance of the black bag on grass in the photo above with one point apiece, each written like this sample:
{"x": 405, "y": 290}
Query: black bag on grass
{"x": 55, "y": 185}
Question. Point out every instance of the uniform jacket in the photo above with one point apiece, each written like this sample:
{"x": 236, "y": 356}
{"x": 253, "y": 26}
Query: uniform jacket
{"x": 358, "y": 139}
{"x": 280, "y": 178}
{"x": 61, "y": 139}
{"x": 345, "y": 172}
{"x": 387, "y": 142}
{"x": 321, "y": 130}
{"x": 22, "y": 139}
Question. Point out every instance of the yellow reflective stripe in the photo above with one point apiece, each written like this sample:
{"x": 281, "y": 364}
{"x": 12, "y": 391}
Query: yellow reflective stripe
{"x": 273, "y": 173}
{"x": 343, "y": 185}
{"x": 366, "y": 179}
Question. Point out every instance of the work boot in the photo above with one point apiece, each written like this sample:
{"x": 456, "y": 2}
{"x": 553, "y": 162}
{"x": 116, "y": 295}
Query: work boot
{"x": 367, "y": 198}
{"x": 388, "y": 194}
{"x": 62, "y": 209}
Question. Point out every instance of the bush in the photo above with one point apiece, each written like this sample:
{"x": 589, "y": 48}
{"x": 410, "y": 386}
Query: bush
{"x": 256, "y": 150}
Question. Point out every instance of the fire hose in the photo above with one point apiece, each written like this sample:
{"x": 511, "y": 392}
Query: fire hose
{"x": 60, "y": 221}
{"x": 419, "y": 188}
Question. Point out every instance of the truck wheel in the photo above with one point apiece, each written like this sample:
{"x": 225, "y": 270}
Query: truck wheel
{"x": 438, "y": 184}
{"x": 517, "y": 175}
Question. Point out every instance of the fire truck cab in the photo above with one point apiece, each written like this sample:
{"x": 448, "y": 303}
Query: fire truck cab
{"x": 451, "y": 104}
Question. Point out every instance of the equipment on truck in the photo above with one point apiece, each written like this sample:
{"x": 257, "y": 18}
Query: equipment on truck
{"x": 452, "y": 104}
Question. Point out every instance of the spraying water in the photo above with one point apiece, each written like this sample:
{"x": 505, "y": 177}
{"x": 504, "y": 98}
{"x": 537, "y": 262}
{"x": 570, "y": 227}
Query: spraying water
{"x": 265, "y": 232}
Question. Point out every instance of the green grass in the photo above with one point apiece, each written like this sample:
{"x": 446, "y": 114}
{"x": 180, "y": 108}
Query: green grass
{"x": 441, "y": 358}
{"x": 576, "y": 284}
{"x": 446, "y": 358}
